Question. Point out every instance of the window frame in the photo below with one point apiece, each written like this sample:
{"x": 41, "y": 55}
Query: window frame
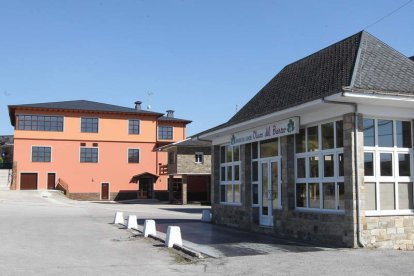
{"x": 139, "y": 155}
{"x": 396, "y": 179}
{"x": 133, "y": 127}
{"x": 89, "y": 118}
{"x": 230, "y": 183}
{"x": 60, "y": 122}
{"x": 161, "y": 131}
{"x": 80, "y": 155}
{"x": 201, "y": 155}
{"x": 320, "y": 153}
{"x": 41, "y": 146}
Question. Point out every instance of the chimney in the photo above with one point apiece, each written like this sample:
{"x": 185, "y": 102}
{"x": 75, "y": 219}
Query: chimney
{"x": 170, "y": 113}
{"x": 138, "y": 105}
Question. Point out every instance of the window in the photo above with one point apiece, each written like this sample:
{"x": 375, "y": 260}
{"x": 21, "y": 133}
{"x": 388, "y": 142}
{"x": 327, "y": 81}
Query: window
{"x": 89, "y": 155}
{"x": 41, "y": 154}
{"x": 40, "y": 123}
{"x": 165, "y": 132}
{"x": 388, "y": 166}
{"x": 133, "y": 155}
{"x": 133, "y": 126}
{"x": 319, "y": 167}
{"x": 89, "y": 125}
{"x": 199, "y": 157}
{"x": 230, "y": 174}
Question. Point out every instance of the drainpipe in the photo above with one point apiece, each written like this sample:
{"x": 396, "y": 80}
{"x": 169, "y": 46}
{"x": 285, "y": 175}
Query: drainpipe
{"x": 358, "y": 213}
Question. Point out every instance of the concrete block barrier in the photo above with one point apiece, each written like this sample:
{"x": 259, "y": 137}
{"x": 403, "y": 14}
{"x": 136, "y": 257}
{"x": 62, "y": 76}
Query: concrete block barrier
{"x": 119, "y": 218}
{"x": 149, "y": 228}
{"x": 132, "y": 222}
{"x": 173, "y": 236}
{"x": 206, "y": 216}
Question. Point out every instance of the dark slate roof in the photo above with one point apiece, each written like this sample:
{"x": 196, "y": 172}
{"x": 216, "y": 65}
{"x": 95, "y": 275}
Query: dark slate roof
{"x": 382, "y": 68}
{"x": 86, "y": 106}
{"x": 172, "y": 119}
{"x": 82, "y": 105}
{"x": 412, "y": 58}
{"x": 320, "y": 74}
{"x": 361, "y": 62}
{"x": 190, "y": 142}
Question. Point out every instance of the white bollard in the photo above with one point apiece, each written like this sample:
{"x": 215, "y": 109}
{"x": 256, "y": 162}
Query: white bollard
{"x": 149, "y": 228}
{"x": 119, "y": 218}
{"x": 132, "y": 222}
{"x": 173, "y": 236}
{"x": 206, "y": 216}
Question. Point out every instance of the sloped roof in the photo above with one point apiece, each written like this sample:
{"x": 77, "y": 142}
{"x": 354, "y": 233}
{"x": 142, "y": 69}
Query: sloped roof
{"x": 83, "y": 105}
{"x": 189, "y": 142}
{"x": 86, "y": 106}
{"x": 360, "y": 61}
{"x": 173, "y": 119}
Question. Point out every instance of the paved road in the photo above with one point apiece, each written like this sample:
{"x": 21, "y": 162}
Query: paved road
{"x": 54, "y": 235}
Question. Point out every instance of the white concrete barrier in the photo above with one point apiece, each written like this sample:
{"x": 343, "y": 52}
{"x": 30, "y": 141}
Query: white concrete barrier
{"x": 149, "y": 228}
{"x": 132, "y": 222}
{"x": 173, "y": 236}
{"x": 206, "y": 216}
{"x": 119, "y": 218}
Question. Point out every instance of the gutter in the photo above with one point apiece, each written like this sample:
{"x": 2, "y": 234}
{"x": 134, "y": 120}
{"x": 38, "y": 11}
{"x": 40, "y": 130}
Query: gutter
{"x": 358, "y": 207}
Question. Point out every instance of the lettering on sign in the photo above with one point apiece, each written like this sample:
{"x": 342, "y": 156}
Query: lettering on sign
{"x": 274, "y": 130}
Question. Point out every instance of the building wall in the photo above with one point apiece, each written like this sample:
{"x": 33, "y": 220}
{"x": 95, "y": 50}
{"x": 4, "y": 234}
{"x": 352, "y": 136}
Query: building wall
{"x": 186, "y": 161}
{"x": 84, "y": 179}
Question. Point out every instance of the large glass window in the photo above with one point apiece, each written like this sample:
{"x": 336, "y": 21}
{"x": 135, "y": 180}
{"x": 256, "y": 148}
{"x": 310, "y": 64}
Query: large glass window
{"x": 89, "y": 155}
{"x": 133, "y": 155}
{"x": 165, "y": 133}
{"x": 320, "y": 167}
{"x": 230, "y": 174}
{"x": 387, "y": 163}
{"x": 41, "y": 154}
{"x": 40, "y": 123}
{"x": 133, "y": 126}
{"x": 89, "y": 125}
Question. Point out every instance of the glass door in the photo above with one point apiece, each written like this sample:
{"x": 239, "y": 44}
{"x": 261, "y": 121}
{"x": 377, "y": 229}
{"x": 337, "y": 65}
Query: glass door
{"x": 269, "y": 190}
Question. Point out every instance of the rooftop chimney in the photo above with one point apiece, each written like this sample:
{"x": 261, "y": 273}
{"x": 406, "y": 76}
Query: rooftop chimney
{"x": 170, "y": 113}
{"x": 138, "y": 105}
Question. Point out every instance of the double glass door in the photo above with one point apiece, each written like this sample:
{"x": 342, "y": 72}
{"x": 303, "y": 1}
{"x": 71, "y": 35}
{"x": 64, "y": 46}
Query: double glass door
{"x": 269, "y": 189}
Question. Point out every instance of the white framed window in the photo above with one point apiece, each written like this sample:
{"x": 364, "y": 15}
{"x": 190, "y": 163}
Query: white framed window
{"x": 230, "y": 170}
{"x": 199, "y": 157}
{"x": 388, "y": 167}
{"x": 319, "y": 168}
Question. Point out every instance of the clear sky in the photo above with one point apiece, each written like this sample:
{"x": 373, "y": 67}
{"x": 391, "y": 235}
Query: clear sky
{"x": 203, "y": 59}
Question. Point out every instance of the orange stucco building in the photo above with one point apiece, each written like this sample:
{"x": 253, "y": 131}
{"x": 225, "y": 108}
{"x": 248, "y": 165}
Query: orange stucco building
{"x": 91, "y": 150}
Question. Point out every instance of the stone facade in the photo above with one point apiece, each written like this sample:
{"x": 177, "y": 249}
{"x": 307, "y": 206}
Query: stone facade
{"x": 334, "y": 229}
{"x": 185, "y": 161}
{"x": 395, "y": 232}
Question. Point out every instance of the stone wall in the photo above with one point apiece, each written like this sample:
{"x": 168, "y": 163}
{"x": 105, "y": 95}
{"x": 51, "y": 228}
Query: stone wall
{"x": 84, "y": 196}
{"x": 186, "y": 161}
{"x": 395, "y": 232}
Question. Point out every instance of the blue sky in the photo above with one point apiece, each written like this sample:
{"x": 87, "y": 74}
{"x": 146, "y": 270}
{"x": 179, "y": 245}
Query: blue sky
{"x": 203, "y": 59}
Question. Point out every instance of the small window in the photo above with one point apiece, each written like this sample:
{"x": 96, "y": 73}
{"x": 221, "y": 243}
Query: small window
{"x": 301, "y": 141}
{"x": 269, "y": 148}
{"x": 89, "y": 125}
{"x": 403, "y": 134}
{"x": 385, "y": 133}
{"x": 199, "y": 157}
{"x": 386, "y": 164}
{"x": 369, "y": 164}
{"x": 133, "y": 155}
{"x": 339, "y": 134}
{"x": 41, "y": 154}
{"x": 313, "y": 141}
{"x": 165, "y": 132}
{"x": 133, "y": 126}
{"x": 328, "y": 136}
{"x": 89, "y": 155}
{"x": 300, "y": 168}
